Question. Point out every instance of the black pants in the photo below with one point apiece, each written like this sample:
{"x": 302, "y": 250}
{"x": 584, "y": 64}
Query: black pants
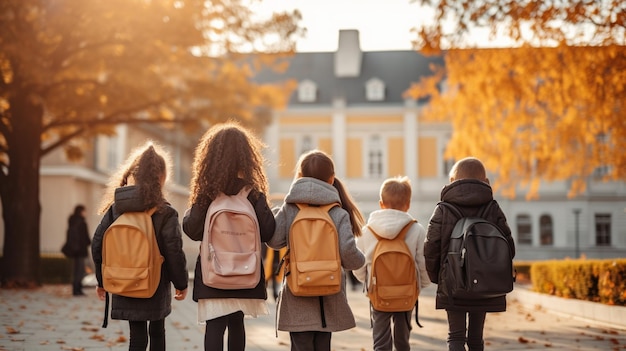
{"x": 214, "y": 333}
{"x": 77, "y": 275}
{"x": 310, "y": 341}
{"x": 139, "y": 335}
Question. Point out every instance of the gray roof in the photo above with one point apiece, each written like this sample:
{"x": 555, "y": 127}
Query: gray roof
{"x": 397, "y": 69}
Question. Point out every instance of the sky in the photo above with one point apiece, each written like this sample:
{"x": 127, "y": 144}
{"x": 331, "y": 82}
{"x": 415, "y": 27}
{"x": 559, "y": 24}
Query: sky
{"x": 382, "y": 24}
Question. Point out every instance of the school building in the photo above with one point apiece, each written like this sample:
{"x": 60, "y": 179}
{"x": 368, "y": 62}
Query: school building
{"x": 350, "y": 104}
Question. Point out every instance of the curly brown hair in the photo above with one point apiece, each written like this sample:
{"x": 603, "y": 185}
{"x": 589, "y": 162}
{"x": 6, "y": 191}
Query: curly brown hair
{"x": 226, "y": 155}
{"x": 147, "y": 168}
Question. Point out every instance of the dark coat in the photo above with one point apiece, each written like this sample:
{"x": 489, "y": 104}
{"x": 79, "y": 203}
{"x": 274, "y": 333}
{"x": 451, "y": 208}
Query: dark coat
{"x": 173, "y": 271}
{"x": 470, "y": 196}
{"x": 78, "y": 236}
{"x": 193, "y": 226}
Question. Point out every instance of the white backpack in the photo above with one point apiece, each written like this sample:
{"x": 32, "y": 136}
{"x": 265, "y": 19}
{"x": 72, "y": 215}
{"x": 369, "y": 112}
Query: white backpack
{"x": 230, "y": 252}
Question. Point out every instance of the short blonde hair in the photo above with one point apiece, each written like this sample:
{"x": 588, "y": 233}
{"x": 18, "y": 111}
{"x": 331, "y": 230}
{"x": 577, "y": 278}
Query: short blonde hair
{"x": 468, "y": 168}
{"x": 395, "y": 193}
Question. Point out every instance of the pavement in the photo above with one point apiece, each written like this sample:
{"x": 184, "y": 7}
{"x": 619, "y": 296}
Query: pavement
{"x": 50, "y": 318}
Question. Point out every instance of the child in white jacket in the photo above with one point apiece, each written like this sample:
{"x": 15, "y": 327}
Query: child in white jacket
{"x": 395, "y": 200}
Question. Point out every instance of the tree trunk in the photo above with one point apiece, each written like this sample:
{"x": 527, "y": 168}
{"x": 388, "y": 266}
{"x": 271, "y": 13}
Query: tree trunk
{"x": 21, "y": 209}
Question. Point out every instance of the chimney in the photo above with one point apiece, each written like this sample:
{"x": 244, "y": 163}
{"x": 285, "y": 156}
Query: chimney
{"x": 348, "y": 56}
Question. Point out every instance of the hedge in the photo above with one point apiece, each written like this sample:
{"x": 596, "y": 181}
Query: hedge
{"x": 54, "y": 269}
{"x": 592, "y": 280}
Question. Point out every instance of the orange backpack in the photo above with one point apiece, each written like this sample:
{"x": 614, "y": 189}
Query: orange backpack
{"x": 313, "y": 264}
{"x": 131, "y": 260}
{"x": 393, "y": 278}
{"x": 230, "y": 252}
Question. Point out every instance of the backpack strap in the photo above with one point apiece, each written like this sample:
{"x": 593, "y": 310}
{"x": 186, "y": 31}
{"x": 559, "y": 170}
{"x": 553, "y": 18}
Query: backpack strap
{"x": 452, "y": 207}
{"x": 485, "y": 210}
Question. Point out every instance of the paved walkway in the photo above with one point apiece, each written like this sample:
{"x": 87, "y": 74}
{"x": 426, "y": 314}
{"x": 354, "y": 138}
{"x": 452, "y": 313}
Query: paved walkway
{"x": 49, "y": 318}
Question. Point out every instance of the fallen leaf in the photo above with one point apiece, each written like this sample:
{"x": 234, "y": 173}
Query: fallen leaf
{"x": 522, "y": 340}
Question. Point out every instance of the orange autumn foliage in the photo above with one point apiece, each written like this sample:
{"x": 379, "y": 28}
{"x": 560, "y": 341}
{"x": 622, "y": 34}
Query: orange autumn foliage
{"x": 550, "y": 108}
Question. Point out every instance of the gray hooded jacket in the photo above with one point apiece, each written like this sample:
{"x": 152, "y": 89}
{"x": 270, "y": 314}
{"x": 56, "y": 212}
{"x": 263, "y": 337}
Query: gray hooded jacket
{"x": 298, "y": 313}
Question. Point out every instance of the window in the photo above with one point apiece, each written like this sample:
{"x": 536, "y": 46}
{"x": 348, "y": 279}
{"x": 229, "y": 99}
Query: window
{"x": 545, "y": 230}
{"x": 447, "y": 165}
{"x": 108, "y": 150}
{"x": 524, "y": 230}
{"x": 306, "y": 144}
{"x": 375, "y": 90}
{"x": 603, "y": 229}
{"x": 375, "y": 157}
{"x": 307, "y": 91}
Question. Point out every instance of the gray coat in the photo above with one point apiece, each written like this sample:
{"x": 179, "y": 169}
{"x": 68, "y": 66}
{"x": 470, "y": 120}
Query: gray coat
{"x": 174, "y": 269}
{"x": 303, "y": 313}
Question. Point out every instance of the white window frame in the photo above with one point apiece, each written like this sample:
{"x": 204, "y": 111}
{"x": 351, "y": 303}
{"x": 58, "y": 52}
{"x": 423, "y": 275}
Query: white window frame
{"x": 375, "y": 90}
{"x": 307, "y": 91}
{"x": 374, "y": 143}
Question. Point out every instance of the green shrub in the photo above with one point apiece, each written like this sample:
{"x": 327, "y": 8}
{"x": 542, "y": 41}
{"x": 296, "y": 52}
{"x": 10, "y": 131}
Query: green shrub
{"x": 55, "y": 269}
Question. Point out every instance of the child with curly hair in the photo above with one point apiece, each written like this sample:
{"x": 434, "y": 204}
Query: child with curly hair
{"x": 227, "y": 159}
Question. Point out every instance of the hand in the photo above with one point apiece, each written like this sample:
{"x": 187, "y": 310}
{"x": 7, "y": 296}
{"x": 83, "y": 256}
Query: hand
{"x": 101, "y": 293}
{"x": 180, "y": 294}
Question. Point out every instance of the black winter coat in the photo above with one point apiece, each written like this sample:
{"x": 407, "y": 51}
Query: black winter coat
{"x": 173, "y": 271}
{"x": 78, "y": 235}
{"x": 470, "y": 196}
{"x": 193, "y": 226}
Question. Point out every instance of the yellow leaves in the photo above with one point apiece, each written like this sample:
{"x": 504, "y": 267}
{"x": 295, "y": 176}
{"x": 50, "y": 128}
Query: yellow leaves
{"x": 6, "y": 71}
{"x": 536, "y": 112}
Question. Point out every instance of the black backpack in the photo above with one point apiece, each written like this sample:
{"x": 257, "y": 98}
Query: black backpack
{"x": 479, "y": 262}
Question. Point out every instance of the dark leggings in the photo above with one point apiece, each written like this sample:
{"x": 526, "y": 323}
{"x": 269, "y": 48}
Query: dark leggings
{"x": 139, "y": 335}
{"x": 310, "y": 341}
{"x": 215, "y": 328}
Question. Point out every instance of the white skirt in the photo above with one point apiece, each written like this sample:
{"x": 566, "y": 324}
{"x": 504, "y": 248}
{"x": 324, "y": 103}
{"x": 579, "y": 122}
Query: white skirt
{"x": 212, "y": 308}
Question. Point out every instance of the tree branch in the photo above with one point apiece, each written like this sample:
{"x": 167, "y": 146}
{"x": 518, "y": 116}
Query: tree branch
{"x": 80, "y": 130}
{"x": 47, "y": 88}
{"x": 107, "y": 119}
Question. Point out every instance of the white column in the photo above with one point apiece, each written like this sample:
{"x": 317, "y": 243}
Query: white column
{"x": 272, "y": 153}
{"x": 410, "y": 141}
{"x": 339, "y": 135}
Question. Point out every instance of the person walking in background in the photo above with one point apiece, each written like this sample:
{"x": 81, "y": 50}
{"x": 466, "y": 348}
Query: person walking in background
{"x": 76, "y": 245}
{"x": 470, "y": 191}
{"x": 227, "y": 159}
{"x": 315, "y": 184}
{"x": 138, "y": 186}
{"x": 387, "y": 223}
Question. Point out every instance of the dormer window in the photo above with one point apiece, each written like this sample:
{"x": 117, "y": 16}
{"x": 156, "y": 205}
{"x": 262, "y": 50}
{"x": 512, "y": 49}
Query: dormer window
{"x": 307, "y": 91}
{"x": 375, "y": 90}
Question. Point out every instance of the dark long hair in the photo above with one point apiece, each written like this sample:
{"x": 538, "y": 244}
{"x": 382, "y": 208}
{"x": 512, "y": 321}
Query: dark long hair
{"x": 147, "y": 169}
{"x": 227, "y": 155}
{"x": 316, "y": 164}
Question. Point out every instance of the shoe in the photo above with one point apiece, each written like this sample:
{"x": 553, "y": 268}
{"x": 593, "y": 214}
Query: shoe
{"x": 80, "y": 293}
